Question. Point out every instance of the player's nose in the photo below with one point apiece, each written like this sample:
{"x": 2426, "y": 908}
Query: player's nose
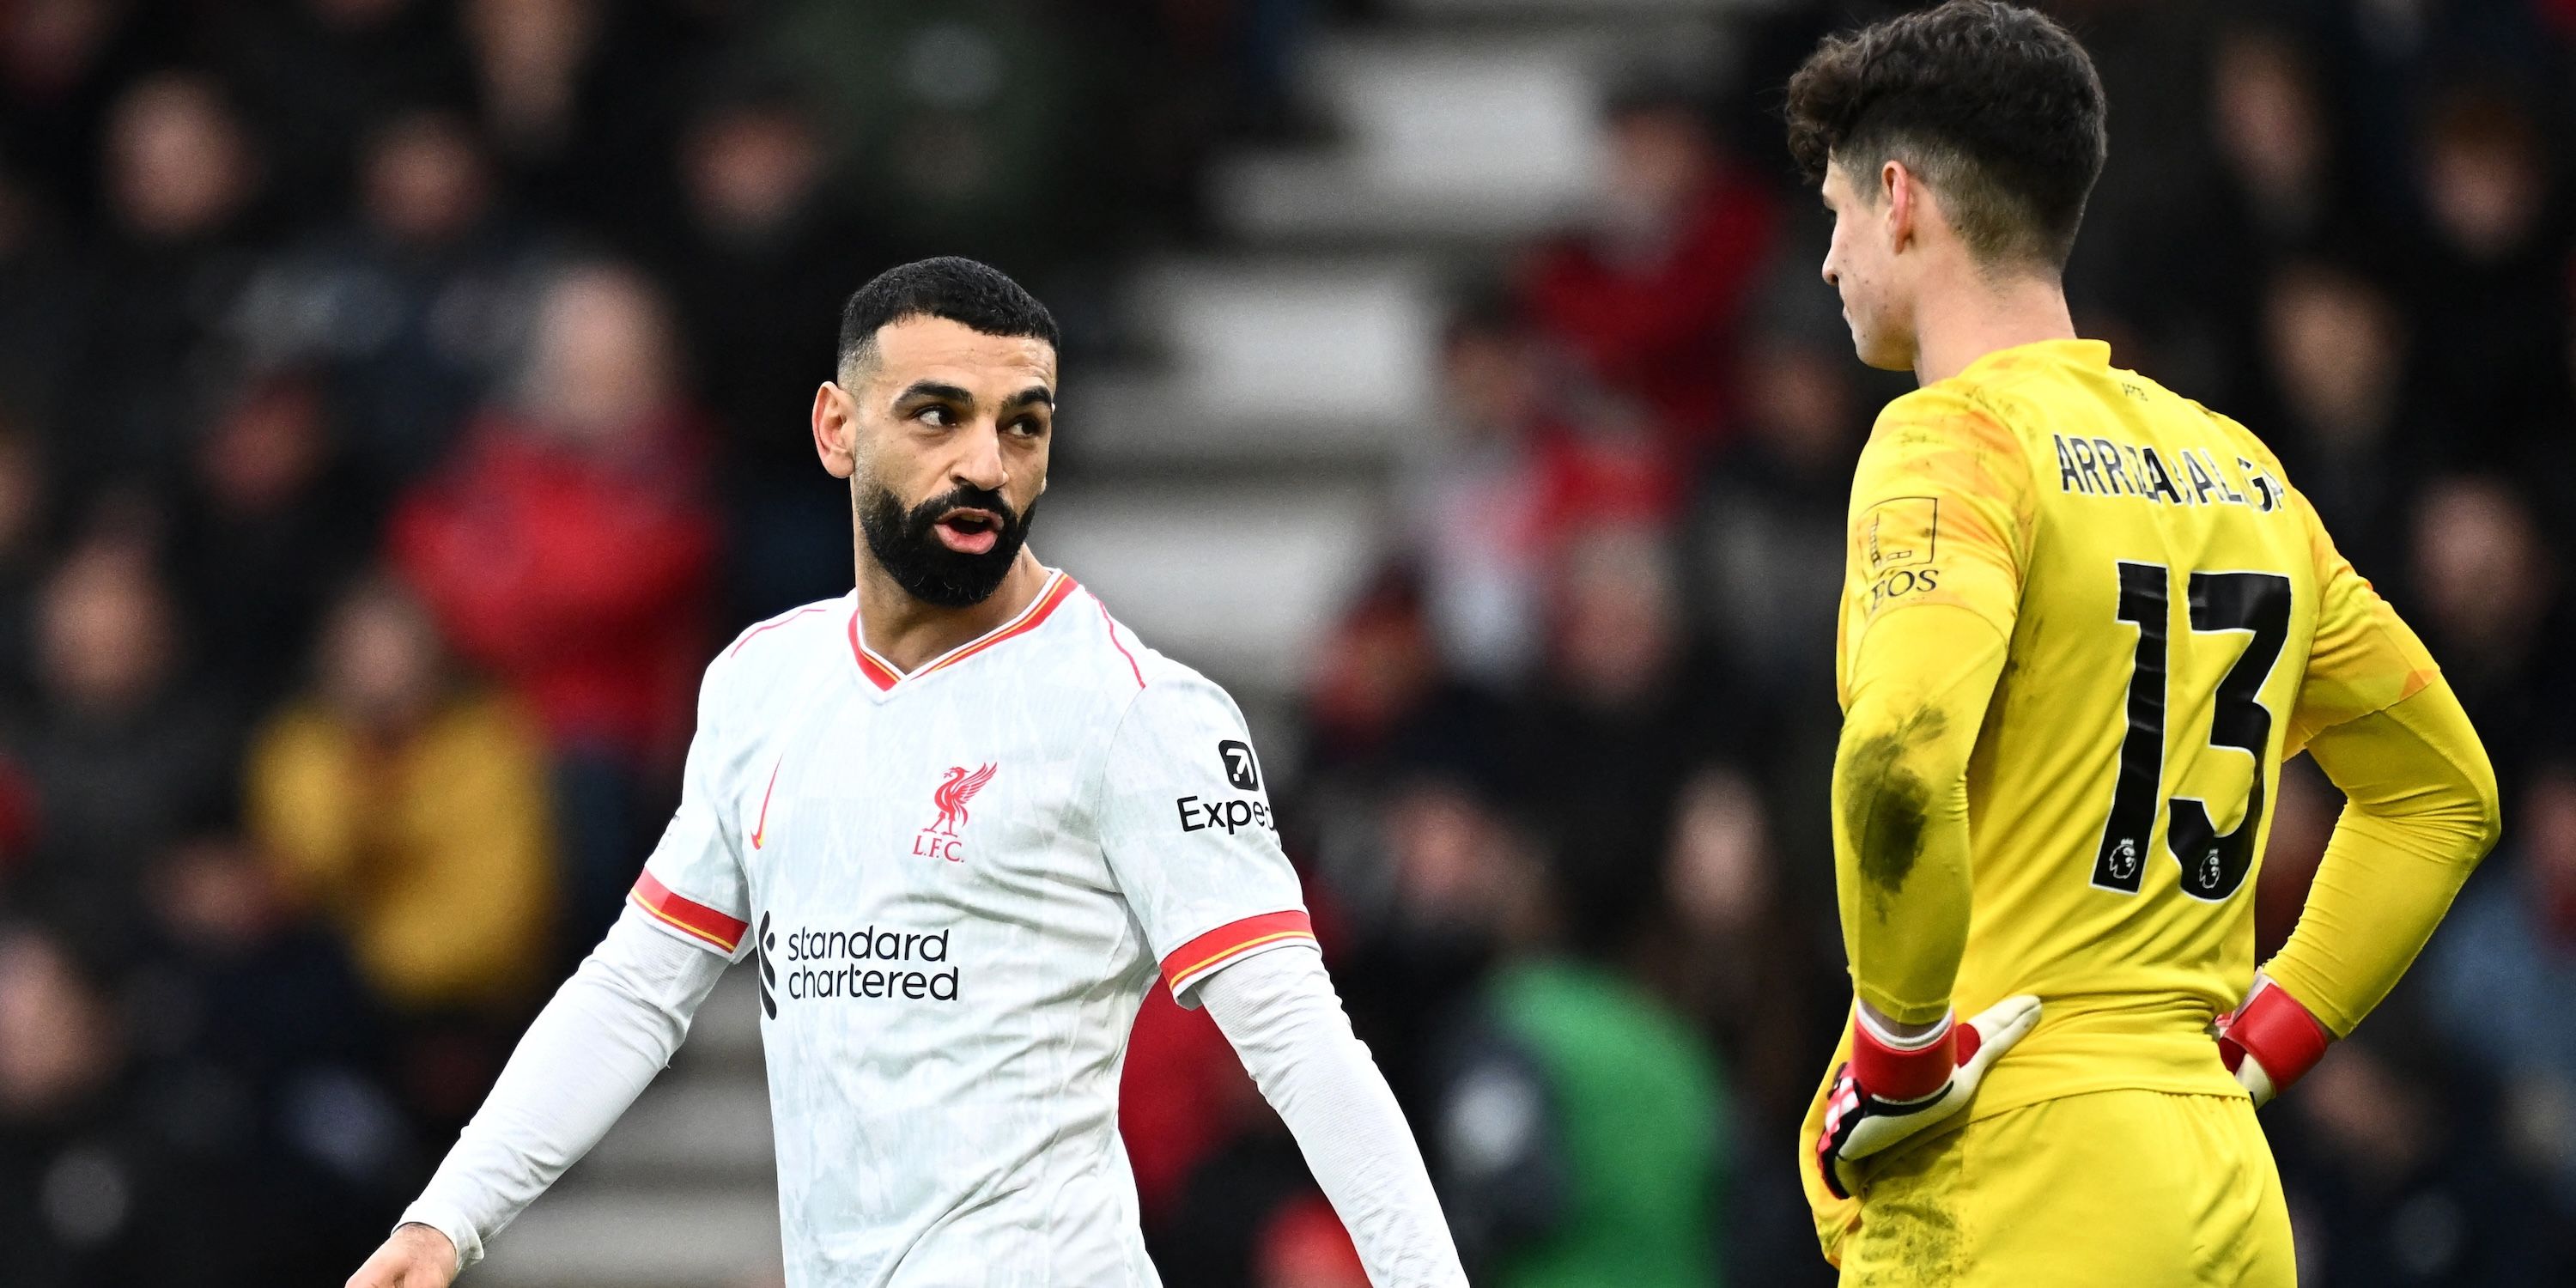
{"x": 980, "y": 460}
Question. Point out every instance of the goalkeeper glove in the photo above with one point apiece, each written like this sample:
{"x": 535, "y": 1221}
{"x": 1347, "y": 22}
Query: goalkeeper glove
{"x": 1892, "y": 1089}
{"x": 2269, "y": 1041}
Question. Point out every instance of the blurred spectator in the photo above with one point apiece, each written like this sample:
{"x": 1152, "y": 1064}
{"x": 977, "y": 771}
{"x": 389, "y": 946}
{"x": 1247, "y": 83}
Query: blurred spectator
{"x": 1448, "y": 852}
{"x": 1649, "y": 296}
{"x": 569, "y": 550}
{"x": 1304, "y": 1246}
{"x": 966, "y": 126}
{"x": 271, "y": 528}
{"x": 1739, "y": 962}
{"x": 2387, "y": 1180}
{"x": 182, "y": 179}
{"x": 412, "y": 812}
{"x": 23, "y": 554}
{"x": 1473, "y": 504}
{"x": 1542, "y": 461}
{"x": 575, "y": 95}
{"x": 2334, "y": 403}
{"x": 414, "y": 307}
{"x": 1580, "y": 1127}
{"x": 1177, "y": 1101}
{"x": 91, "y": 1193}
{"x": 40, "y": 288}
{"x": 2271, "y": 136}
{"x": 316, "y": 73}
{"x": 1382, "y": 714}
{"x": 1762, "y": 552}
{"x": 2485, "y": 598}
{"x": 1622, "y": 714}
{"x": 2276, "y": 189}
{"x": 263, "y": 1046}
{"x": 2501, "y": 967}
{"x": 123, "y": 751}
{"x": 2491, "y": 328}
{"x": 62, "y": 62}
{"x": 760, "y": 268}
{"x": 1765, "y": 548}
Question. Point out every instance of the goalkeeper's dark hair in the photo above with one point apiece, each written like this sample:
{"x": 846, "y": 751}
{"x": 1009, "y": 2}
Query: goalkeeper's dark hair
{"x": 1994, "y": 106}
{"x": 964, "y": 291}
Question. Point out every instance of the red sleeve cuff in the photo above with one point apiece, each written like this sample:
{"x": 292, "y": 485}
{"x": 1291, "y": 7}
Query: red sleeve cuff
{"x": 1903, "y": 1074}
{"x": 1193, "y": 961}
{"x": 2282, "y": 1035}
{"x": 688, "y": 916}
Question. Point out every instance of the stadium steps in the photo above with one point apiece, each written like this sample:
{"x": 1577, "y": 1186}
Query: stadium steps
{"x": 1226, "y": 494}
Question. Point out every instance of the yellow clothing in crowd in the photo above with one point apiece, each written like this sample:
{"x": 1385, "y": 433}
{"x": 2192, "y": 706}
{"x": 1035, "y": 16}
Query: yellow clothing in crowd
{"x": 435, "y": 854}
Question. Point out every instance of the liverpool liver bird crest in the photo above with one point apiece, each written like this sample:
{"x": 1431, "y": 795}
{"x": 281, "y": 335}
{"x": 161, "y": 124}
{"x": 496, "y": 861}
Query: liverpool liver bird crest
{"x": 951, "y": 796}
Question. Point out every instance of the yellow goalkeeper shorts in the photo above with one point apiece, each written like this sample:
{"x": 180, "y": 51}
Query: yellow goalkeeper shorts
{"x": 2106, "y": 1190}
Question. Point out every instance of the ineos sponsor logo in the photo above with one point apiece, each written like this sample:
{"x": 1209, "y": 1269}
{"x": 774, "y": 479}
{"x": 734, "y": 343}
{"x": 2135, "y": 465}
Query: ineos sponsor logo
{"x": 1904, "y": 581}
{"x": 1200, "y": 815}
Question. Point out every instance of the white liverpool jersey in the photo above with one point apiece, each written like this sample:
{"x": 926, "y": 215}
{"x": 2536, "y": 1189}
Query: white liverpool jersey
{"x": 958, "y": 884}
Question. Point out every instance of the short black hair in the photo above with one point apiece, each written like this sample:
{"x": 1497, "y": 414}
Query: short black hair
{"x": 1997, "y": 107}
{"x": 962, "y": 290}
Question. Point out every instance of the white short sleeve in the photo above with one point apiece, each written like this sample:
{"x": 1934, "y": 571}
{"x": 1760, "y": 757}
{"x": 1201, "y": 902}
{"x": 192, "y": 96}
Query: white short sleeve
{"x": 693, "y": 884}
{"x": 1187, "y": 827}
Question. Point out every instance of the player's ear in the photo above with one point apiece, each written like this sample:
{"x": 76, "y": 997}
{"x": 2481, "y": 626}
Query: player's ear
{"x": 1902, "y": 196}
{"x": 836, "y": 426}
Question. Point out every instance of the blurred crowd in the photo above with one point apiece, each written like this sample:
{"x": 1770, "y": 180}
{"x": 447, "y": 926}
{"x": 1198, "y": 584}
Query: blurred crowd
{"x": 399, "y": 399}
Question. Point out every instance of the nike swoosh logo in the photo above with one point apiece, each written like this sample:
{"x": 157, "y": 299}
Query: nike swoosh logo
{"x": 760, "y": 830}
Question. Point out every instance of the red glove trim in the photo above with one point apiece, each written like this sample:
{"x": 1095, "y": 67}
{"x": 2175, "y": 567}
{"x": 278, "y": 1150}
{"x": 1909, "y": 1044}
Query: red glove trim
{"x": 1903, "y": 1074}
{"x": 2277, "y": 1031}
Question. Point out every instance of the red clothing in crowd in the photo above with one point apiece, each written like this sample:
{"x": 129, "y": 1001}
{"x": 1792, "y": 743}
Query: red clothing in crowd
{"x": 579, "y": 576}
{"x": 1176, "y": 1098}
{"x": 1660, "y": 324}
{"x": 1588, "y": 481}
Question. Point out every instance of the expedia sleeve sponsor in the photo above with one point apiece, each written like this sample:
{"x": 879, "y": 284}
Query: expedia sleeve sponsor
{"x": 1188, "y": 832}
{"x": 870, "y": 962}
{"x": 1199, "y": 815}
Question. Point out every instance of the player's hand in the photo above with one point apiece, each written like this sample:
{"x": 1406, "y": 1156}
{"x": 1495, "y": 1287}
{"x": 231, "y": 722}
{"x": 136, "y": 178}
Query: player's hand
{"x": 1887, "y": 1093}
{"x": 2269, "y": 1041}
{"x": 415, "y": 1257}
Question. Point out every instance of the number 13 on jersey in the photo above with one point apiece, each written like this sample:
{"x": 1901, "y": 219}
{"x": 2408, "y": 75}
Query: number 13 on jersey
{"x": 2213, "y": 864}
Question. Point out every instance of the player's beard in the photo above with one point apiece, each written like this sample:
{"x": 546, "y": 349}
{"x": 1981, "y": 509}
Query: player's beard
{"x": 906, "y": 547}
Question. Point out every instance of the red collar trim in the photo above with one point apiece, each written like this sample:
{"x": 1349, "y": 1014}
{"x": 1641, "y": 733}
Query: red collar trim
{"x": 884, "y": 676}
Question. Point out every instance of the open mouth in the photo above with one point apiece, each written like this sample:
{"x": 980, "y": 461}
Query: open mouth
{"x": 970, "y": 532}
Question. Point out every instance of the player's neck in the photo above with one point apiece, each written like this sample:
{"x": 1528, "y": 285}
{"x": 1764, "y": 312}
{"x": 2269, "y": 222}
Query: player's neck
{"x": 908, "y": 632}
{"x": 1961, "y": 322}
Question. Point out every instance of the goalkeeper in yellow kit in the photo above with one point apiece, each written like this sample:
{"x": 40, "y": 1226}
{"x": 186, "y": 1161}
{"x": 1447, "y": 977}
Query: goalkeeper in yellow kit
{"x": 2084, "y": 622}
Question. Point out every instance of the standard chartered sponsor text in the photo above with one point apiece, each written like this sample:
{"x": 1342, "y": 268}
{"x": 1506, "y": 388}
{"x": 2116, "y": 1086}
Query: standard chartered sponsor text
{"x": 868, "y": 963}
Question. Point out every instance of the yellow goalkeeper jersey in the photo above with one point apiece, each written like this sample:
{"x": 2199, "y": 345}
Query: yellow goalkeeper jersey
{"x": 2176, "y": 623}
